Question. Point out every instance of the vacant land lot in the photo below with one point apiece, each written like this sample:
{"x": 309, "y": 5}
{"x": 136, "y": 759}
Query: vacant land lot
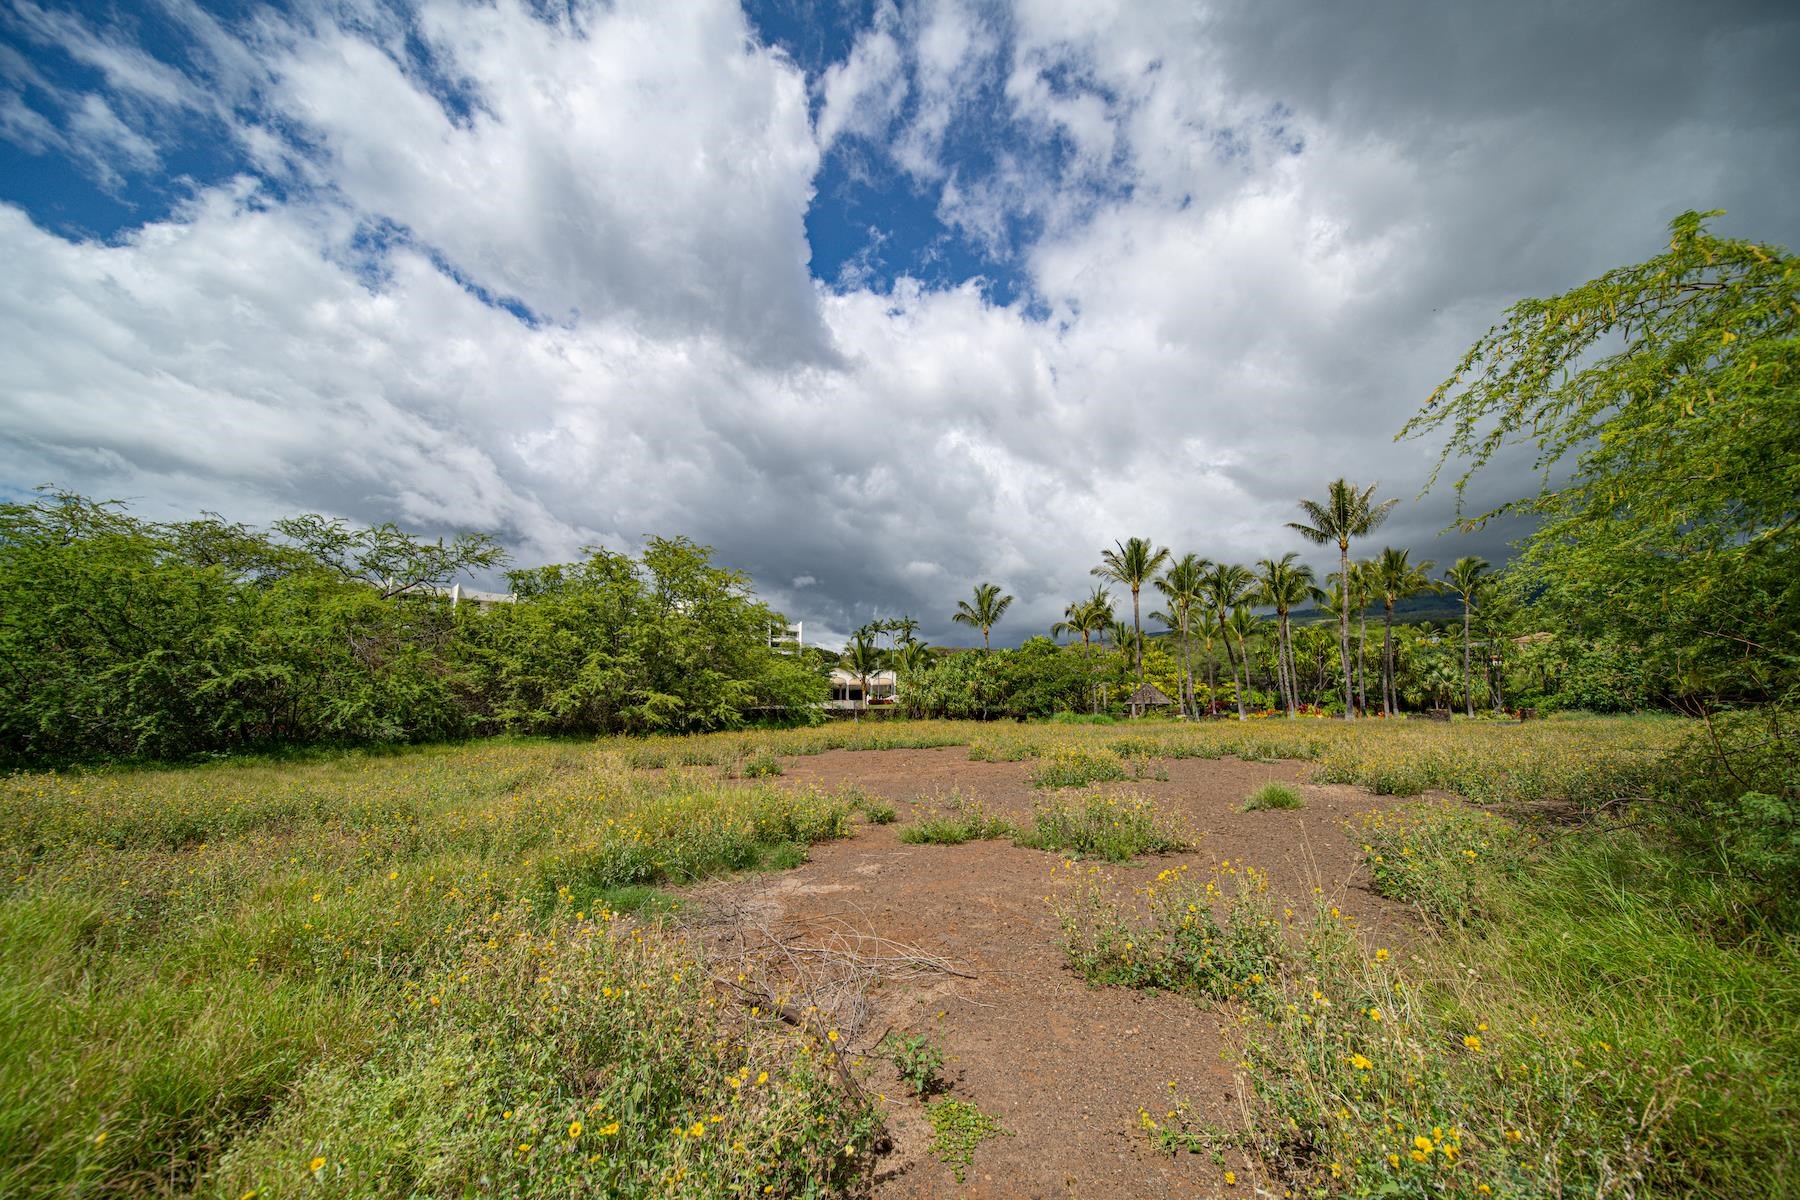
{"x": 922, "y": 959}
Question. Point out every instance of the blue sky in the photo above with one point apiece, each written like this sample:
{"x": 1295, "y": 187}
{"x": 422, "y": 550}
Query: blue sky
{"x": 882, "y": 299}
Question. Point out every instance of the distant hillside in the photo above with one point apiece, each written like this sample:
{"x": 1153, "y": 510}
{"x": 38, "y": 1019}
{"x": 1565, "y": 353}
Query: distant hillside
{"x": 1440, "y": 607}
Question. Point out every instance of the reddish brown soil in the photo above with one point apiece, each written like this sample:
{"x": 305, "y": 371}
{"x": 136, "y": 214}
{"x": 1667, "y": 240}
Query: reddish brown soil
{"x": 1064, "y": 1066}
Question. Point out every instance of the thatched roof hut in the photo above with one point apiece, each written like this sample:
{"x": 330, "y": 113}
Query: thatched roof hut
{"x": 1147, "y": 696}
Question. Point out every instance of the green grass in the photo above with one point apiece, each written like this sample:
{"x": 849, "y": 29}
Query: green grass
{"x": 210, "y": 977}
{"x": 1113, "y": 828}
{"x": 1273, "y": 795}
{"x": 967, "y": 824}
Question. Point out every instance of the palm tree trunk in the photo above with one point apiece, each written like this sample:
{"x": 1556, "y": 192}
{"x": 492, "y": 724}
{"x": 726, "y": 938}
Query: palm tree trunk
{"x": 1468, "y": 674}
{"x": 1362, "y": 656}
{"x": 1137, "y": 634}
{"x": 1212, "y": 683}
{"x": 1388, "y": 700}
{"x": 1344, "y": 629}
{"x": 1243, "y": 653}
{"x": 1285, "y": 653}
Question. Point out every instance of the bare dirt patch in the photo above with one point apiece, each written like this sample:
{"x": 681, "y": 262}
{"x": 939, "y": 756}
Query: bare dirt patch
{"x": 1064, "y": 1066}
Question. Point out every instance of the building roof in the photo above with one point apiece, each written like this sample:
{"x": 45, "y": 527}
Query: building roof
{"x": 1148, "y": 693}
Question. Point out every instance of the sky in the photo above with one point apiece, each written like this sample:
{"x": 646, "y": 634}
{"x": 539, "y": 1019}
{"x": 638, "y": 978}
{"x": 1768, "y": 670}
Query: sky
{"x": 881, "y": 300}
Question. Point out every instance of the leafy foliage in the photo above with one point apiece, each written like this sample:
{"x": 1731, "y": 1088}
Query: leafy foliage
{"x": 127, "y": 638}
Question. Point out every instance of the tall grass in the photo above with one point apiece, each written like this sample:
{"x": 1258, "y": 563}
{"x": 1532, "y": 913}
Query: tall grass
{"x": 211, "y": 977}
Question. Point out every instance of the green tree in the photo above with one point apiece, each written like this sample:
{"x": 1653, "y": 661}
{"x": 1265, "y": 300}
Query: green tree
{"x": 1133, "y": 562}
{"x": 1226, "y": 586}
{"x": 1284, "y": 584}
{"x": 985, "y": 612}
{"x": 1663, "y": 401}
{"x": 1468, "y": 578}
{"x": 864, "y": 657}
{"x": 1346, "y": 513}
{"x": 388, "y": 559}
{"x": 1183, "y": 586}
{"x": 1396, "y": 577}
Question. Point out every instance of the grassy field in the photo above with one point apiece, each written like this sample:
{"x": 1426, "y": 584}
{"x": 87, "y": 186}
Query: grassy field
{"x": 374, "y": 974}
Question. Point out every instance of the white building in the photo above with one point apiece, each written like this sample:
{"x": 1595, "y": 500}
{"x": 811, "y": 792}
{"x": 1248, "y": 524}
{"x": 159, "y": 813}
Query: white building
{"x": 847, "y": 689}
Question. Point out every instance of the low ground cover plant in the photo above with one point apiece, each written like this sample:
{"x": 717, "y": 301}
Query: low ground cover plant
{"x": 957, "y": 1130}
{"x": 1273, "y": 795}
{"x": 964, "y": 820}
{"x": 1113, "y": 828}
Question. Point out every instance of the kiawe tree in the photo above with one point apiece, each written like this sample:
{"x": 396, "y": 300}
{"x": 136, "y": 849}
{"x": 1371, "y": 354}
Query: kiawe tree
{"x": 1468, "y": 578}
{"x": 1133, "y": 562}
{"x": 983, "y": 610}
{"x": 1346, "y": 513}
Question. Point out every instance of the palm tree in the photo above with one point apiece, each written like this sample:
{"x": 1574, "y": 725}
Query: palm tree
{"x": 1347, "y": 512}
{"x": 907, "y": 628}
{"x": 1120, "y": 633}
{"x": 1396, "y": 577}
{"x": 985, "y": 612}
{"x": 863, "y": 658}
{"x": 1133, "y": 562}
{"x": 1468, "y": 578}
{"x": 1226, "y": 586}
{"x": 1183, "y": 585}
{"x": 912, "y": 660}
{"x": 1285, "y": 584}
{"x": 1243, "y": 624}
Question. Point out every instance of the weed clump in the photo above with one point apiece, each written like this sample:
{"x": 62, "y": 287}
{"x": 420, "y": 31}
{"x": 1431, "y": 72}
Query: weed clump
{"x": 957, "y": 1129}
{"x": 965, "y": 821}
{"x": 1114, "y": 828}
{"x": 1441, "y": 858}
{"x": 1170, "y": 934}
{"x": 1273, "y": 795}
{"x": 918, "y": 1060}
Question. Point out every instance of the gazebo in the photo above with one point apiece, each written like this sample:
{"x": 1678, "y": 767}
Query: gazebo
{"x": 1147, "y": 696}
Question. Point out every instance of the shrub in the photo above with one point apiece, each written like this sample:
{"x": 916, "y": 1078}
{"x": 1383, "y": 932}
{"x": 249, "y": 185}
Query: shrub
{"x": 1273, "y": 795}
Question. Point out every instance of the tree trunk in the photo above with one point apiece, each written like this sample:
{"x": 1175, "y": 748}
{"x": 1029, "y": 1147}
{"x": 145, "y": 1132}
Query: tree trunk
{"x": 1137, "y": 634}
{"x": 1285, "y": 651}
{"x": 1468, "y": 671}
{"x": 1389, "y": 701}
{"x": 1243, "y": 653}
{"x": 1212, "y": 683}
{"x": 1362, "y": 657}
{"x": 1344, "y": 629}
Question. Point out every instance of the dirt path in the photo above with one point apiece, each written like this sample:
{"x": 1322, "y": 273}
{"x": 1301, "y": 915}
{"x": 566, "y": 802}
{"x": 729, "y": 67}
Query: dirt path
{"x": 1065, "y": 1067}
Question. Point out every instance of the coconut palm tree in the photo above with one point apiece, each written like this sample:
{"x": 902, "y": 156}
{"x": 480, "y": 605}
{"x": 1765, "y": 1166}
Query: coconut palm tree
{"x": 1183, "y": 586}
{"x": 1468, "y": 578}
{"x": 863, "y": 658}
{"x": 1133, "y": 563}
{"x": 985, "y": 613}
{"x": 1242, "y": 625}
{"x": 907, "y": 629}
{"x": 1284, "y": 584}
{"x": 1396, "y": 577}
{"x": 1347, "y": 512}
{"x": 1226, "y": 586}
